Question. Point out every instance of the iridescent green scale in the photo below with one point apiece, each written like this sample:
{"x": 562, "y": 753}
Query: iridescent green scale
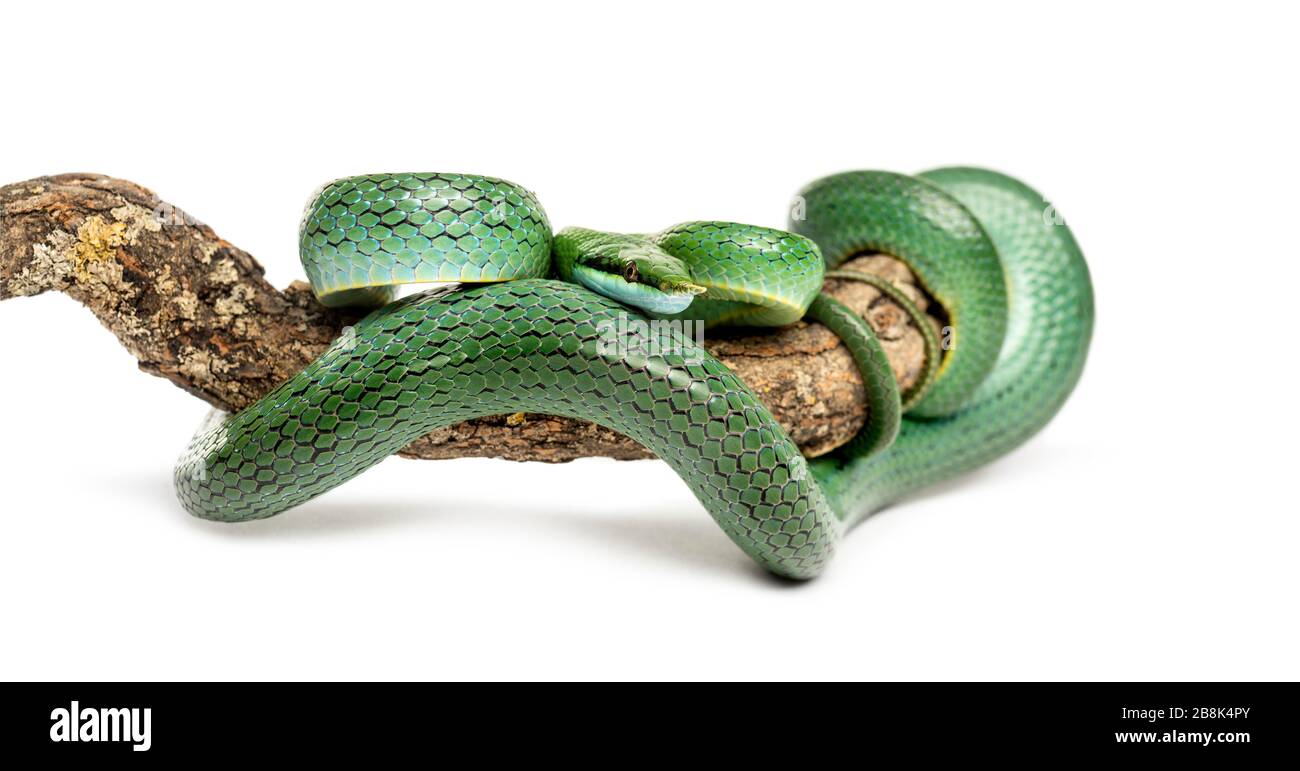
{"x": 363, "y": 236}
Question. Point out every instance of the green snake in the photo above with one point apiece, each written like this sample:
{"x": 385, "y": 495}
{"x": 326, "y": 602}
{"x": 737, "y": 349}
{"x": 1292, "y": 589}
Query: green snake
{"x": 597, "y": 326}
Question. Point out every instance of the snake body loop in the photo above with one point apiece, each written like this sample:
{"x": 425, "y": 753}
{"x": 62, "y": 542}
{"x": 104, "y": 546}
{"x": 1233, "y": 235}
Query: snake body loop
{"x": 362, "y": 237}
{"x": 1049, "y": 328}
{"x": 533, "y": 345}
{"x": 524, "y": 342}
{"x": 944, "y": 244}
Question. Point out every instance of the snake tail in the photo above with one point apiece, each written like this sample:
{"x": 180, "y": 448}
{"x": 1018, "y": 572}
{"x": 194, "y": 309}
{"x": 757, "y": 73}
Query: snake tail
{"x": 884, "y": 406}
{"x": 944, "y": 244}
{"x": 922, "y": 323}
{"x": 1049, "y": 329}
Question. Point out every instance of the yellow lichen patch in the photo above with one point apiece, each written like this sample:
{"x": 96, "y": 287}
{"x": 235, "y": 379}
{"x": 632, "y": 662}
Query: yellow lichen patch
{"x": 97, "y": 241}
{"x": 517, "y": 419}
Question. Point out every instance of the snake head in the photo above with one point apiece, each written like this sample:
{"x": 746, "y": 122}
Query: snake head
{"x": 638, "y": 273}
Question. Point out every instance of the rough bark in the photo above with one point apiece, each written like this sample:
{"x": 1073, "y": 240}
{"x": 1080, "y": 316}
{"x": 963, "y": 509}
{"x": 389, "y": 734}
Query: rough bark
{"x": 195, "y": 309}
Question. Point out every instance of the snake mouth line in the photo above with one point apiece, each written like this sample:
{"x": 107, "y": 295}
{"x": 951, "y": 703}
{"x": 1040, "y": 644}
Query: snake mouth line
{"x": 675, "y": 297}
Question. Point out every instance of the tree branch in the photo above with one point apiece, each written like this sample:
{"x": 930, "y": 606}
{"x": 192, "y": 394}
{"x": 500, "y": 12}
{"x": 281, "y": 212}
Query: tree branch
{"x": 196, "y": 310}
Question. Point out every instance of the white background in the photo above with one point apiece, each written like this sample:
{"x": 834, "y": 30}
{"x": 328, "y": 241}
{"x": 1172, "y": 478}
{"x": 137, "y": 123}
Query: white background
{"x": 1149, "y": 532}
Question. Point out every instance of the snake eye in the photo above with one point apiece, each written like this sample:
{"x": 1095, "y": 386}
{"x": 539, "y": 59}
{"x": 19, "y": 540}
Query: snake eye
{"x": 630, "y": 273}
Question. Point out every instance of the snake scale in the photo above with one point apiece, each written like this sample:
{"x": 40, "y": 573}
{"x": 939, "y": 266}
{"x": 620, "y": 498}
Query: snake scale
{"x": 528, "y": 329}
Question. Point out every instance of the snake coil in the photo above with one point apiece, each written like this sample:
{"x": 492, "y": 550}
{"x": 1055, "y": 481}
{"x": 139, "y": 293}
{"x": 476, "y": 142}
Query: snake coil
{"x": 531, "y": 334}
